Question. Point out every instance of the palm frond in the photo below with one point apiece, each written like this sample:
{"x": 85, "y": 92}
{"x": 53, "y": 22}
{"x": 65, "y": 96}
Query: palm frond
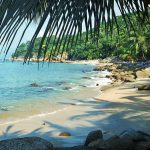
{"x": 65, "y": 19}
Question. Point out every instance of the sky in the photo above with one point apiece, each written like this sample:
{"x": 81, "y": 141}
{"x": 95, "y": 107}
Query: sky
{"x": 30, "y": 32}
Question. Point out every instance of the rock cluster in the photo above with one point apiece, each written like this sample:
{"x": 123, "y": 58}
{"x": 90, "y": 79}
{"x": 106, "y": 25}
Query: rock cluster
{"x": 34, "y": 84}
{"x": 126, "y": 72}
{"x": 127, "y": 140}
{"x": 27, "y": 143}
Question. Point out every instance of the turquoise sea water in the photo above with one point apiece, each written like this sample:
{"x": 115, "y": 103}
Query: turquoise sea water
{"x": 58, "y": 84}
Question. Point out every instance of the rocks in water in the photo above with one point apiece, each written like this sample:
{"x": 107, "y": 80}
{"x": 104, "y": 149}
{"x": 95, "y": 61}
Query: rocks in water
{"x": 4, "y": 109}
{"x": 66, "y": 134}
{"x": 86, "y": 78}
{"x": 93, "y": 136}
{"x": 143, "y": 146}
{"x": 67, "y": 88}
{"x": 144, "y": 87}
{"x": 126, "y": 72}
{"x": 28, "y": 143}
{"x": 34, "y": 84}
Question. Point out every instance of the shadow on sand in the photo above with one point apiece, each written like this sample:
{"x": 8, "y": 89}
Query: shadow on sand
{"x": 110, "y": 117}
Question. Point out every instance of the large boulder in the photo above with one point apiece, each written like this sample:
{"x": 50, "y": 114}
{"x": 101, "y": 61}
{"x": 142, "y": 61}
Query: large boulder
{"x": 118, "y": 144}
{"x": 143, "y": 146}
{"x": 27, "y": 143}
{"x": 133, "y": 135}
{"x": 93, "y": 136}
{"x": 96, "y": 143}
{"x": 113, "y": 143}
{"x": 145, "y": 73}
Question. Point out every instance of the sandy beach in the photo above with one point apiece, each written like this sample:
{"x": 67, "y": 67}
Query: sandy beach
{"x": 114, "y": 110}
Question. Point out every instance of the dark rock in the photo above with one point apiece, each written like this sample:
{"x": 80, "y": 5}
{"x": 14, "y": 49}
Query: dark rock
{"x": 96, "y": 143}
{"x": 65, "y": 134}
{"x": 147, "y": 136}
{"x": 81, "y": 148}
{"x": 93, "y": 136}
{"x": 76, "y": 148}
{"x": 144, "y": 87}
{"x": 83, "y": 85}
{"x": 98, "y": 68}
{"x": 108, "y": 76}
{"x": 113, "y": 138}
{"x": 97, "y": 84}
{"x": 133, "y": 135}
{"x": 34, "y": 84}
{"x": 28, "y": 143}
{"x": 86, "y": 78}
{"x": 143, "y": 146}
{"x": 67, "y": 88}
{"x": 118, "y": 144}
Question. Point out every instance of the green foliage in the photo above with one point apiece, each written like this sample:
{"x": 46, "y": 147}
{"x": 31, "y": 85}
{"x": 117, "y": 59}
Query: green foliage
{"x": 128, "y": 44}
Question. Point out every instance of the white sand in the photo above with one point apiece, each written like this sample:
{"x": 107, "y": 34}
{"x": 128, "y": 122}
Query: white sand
{"x": 113, "y": 111}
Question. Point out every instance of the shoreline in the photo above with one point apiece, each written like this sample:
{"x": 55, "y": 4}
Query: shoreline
{"x": 113, "y": 111}
{"x": 87, "y": 116}
{"x": 85, "y": 62}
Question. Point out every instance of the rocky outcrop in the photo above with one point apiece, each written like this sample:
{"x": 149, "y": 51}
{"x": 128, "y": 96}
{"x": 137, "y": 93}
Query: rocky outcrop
{"x": 93, "y": 136}
{"x": 28, "y": 143}
{"x": 126, "y": 72}
{"x": 127, "y": 140}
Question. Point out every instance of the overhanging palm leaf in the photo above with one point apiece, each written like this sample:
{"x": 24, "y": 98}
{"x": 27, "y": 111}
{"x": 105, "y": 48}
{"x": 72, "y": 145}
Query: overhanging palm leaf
{"x": 65, "y": 19}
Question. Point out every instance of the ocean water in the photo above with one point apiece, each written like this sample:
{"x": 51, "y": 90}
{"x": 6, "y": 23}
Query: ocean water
{"x": 59, "y": 84}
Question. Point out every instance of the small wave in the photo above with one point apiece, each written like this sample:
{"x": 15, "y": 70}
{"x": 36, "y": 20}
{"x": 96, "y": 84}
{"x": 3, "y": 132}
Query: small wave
{"x": 98, "y": 82}
{"x": 49, "y": 87}
{"x": 35, "y": 116}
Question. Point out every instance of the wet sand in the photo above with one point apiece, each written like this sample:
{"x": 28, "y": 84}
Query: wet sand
{"x": 113, "y": 111}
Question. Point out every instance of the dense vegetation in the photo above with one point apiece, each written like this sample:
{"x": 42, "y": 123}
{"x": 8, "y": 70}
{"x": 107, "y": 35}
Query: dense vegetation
{"x": 128, "y": 45}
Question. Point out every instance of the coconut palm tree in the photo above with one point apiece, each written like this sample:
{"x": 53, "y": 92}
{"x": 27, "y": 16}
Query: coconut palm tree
{"x": 65, "y": 19}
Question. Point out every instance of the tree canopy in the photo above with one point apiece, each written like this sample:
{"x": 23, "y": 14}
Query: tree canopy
{"x": 65, "y": 20}
{"x": 126, "y": 45}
